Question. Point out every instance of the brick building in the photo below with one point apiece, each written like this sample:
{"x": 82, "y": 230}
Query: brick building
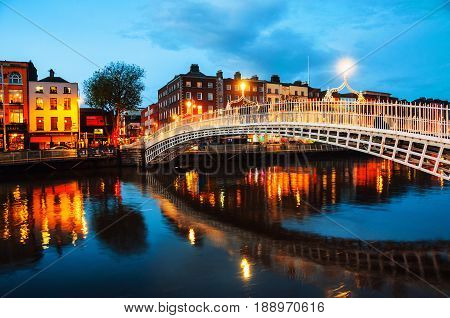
{"x": 254, "y": 89}
{"x": 14, "y": 103}
{"x": 190, "y": 93}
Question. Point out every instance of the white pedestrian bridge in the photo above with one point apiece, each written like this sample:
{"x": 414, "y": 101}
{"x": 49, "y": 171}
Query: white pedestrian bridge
{"x": 417, "y": 136}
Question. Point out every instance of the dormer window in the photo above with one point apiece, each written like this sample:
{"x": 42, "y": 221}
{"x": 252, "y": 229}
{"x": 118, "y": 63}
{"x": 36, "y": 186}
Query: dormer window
{"x": 15, "y": 78}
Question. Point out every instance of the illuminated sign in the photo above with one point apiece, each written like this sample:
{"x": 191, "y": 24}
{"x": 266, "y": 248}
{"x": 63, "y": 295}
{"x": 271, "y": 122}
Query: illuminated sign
{"x": 98, "y": 131}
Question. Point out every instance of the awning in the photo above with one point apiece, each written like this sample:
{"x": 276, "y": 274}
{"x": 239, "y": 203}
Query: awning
{"x": 40, "y": 139}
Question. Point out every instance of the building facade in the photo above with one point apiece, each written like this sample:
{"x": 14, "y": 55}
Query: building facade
{"x": 276, "y": 91}
{"x": 96, "y": 127}
{"x": 187, "y": 94}
{"x": 53, "y": 113}
{"x": 14, "y": 104}
{"x": 149, "y": 119}
{"x": 254, "y": 89}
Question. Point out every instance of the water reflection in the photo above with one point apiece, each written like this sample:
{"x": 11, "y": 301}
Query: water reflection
{"x": 248, "y": 234}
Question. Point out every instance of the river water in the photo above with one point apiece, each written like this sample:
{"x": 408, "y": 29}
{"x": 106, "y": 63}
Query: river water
{"x": 351, "y": 227}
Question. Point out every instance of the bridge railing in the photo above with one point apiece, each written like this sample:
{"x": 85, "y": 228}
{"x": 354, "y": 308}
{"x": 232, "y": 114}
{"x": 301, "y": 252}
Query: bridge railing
{"x": 423, "y": 120}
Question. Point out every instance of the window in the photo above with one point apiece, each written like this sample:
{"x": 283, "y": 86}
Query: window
{"x": 66, "y": 103}
{"x": 15, "y": 78}
{"x": 54, "y": 123}
{"x": 276, "y": 90}
{"x": 261, "y": 89}
{"x": 53, "y": 90}
{"x": 53, "y": 103}
{"x": 228, "y": 98}
{"x": 39, "y": 103}
{"x": 269, "y": 90}
{"x": 15, "y": 96}
{"x": 1, "y": 96}
{"x": 188, "y": 84}
{"x": 67, "y": 123}
{"x": 210, "y": 96}
{"x": 210, "y": 85}
{"x": 254, "y": 88}
{"x": 228, "y": 87}
{"x": 199, "y": 96}
{"x": 303, "y": 94}
{"x": 295, "y": 93}
{"x": 16, "y": 116}
{"x": 39, "y": 89}
{"x": 188, "y": 95}
{"x": 277, "y": 100}
{"x": 199, "y": 84}
{"x": 67, "y": 90}
{"x": 236, "y": 88}
{"x": 40, "y": 123}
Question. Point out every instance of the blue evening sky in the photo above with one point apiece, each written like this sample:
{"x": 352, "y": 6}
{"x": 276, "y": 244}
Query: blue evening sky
{"x": 261, "y": 37}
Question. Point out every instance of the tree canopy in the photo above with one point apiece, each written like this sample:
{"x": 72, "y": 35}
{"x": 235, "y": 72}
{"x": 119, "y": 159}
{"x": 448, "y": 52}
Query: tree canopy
{"x": 115, "y": 88}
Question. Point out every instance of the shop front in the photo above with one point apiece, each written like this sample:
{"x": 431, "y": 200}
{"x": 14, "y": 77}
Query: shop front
{"x": 41, "y": 142}
{"x": 16, "y": 135}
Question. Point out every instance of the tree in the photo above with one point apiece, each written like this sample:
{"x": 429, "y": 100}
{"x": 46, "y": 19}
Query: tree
{"x": 115, "y": 89}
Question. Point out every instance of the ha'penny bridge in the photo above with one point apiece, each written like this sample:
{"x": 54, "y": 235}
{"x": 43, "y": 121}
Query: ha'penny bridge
{"x": 417, "y": 136}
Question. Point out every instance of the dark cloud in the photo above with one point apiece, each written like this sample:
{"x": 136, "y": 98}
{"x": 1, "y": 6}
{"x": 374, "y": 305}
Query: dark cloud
{"x": 245, "y": 32}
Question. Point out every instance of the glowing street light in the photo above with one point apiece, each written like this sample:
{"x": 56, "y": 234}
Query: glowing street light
{"x": 242, "y": 87}
{"x": 346, "y": 66}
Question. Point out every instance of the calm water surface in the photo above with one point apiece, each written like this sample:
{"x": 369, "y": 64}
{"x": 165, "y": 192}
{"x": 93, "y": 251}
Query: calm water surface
{"x": 347, "y": 228}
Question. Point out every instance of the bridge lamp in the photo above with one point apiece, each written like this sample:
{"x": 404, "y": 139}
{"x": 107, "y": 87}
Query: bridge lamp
{"x": 346, "y": 66}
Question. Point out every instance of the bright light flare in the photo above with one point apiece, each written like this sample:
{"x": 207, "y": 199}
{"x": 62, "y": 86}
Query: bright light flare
{"x": 346, "y": 66}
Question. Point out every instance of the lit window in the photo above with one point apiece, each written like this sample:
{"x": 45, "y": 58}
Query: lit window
{"x": 54, "y": 123}
{"x": 66, "y": 103}
{"x": 188, "y": 84}
{"x": 210, "y": 85}
{"x": 199, "y": 84}
{"x": 67, "y": 90}
{"x": 15, "y": 96}
{"x": 254, "y": 88}
{"x": 16, "y": 116}
{"x": 228, "y": 87}
{"x": 67, "y": 123}
{"x": 53, "y": 90}
{"x": 39, "y": 89}
{"x": 39, "y": 123}
{"x": 210, "y": 96}
{"x": 199, "y": 96}
{"x": 39, "y": 103}
{"x": 53, "y": 103}
{"x": 15, "y": 78}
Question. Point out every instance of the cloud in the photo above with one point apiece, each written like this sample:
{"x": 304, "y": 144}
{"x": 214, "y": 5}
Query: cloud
{"x": 272, "y": 37}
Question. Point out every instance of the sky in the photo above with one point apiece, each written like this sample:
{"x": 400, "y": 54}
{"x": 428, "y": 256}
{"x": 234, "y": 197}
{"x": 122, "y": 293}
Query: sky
{"x": 402, "y": 47}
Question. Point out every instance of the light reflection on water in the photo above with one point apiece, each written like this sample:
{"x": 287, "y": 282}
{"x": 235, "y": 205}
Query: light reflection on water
{"x": 249, "y": 234}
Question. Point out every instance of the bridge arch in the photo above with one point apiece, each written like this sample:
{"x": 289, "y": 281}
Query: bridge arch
{"x": 411, "y": 135}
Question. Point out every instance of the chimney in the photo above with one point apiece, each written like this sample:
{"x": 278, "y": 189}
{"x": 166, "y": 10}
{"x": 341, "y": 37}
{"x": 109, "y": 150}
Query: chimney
{"x": 219, "y": 74}
{"x": 237, "y": 75}
{"x": 52, "y": 73}
{"x": 275, "y": 79}
{"x": 195, "y": 68}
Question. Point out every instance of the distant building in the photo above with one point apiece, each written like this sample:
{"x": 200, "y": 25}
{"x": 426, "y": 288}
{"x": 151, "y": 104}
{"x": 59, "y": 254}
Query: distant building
{"x": 149, "y": 119}
{"x": 371, "y": 96}
{"x": 194, "y": 87}
{"x": 96, "y": 127}
{"x": 254, "y": 89}
{"x": 53, "y": 112}
{"x": 14, "y": 103}
{"x": 276, "y": 91}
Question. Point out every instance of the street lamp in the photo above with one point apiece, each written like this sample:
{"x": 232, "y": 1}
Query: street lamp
{"x": 242, "y": 88}
{"x": 346, "y": 66}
